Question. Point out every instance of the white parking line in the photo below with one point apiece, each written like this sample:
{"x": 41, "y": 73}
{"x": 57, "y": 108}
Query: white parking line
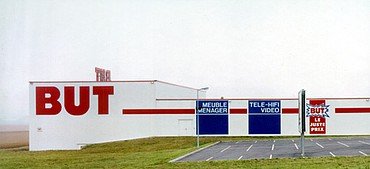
{"x": 255, "y": 141}
{"x": 342, "y": 144}
{"x": 209, "y": 158}
{"x": 270, "y": 156}
{"x": 362, "y": 153}
{"x": 237, "y": 142}
{"x": 293, "y": 141}
{"x": 364, "y": 142}
{"x": 296, "y": 146}
{"x": 329, "y": 139}
{"x": 311, "y": 140}
{"x": 332, "y": 154}
{"x": 274, "y": 141}
{"x": 240, "y": 157}
{"x": 320, "y": 145}
{"x": 225, "y": 149}
{"x": 272, "y": 148}
{"x": 249, "y": 147}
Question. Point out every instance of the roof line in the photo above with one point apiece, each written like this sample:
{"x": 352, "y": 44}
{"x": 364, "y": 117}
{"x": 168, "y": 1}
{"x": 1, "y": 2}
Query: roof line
{"x": 176, "y": 85}
{"x": 91, "y": 81}
{"x": 187, "y": 99}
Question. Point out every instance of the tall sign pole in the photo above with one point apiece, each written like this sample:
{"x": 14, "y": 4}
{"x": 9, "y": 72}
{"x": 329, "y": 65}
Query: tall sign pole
{"x": 302, "y": 117}
{"x": 197, "y": 116}
{"x": 197, "y": 112}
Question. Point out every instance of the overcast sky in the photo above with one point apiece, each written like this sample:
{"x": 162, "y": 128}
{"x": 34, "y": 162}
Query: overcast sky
{"x": 242, "y": 48}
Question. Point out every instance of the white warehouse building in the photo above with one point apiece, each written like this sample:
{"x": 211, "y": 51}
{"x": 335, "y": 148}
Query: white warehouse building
{"x": 68, "y": 115}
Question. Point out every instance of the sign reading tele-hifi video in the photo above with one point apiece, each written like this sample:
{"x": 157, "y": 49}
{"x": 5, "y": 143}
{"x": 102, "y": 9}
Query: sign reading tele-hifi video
{"x": 264, "y": 116}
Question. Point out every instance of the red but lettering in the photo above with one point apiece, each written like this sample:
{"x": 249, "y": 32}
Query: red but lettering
{"x": 69, "y": 100}
{"x": 42, "y": 100}
{"x": 317, "y": 110}
{"x": 103, "y": 92}
{"x": 49, "y": 95}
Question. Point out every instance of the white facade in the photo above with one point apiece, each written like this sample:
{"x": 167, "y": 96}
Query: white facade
{"x": 64, "y": 131}
{"x": 153, "y": 108}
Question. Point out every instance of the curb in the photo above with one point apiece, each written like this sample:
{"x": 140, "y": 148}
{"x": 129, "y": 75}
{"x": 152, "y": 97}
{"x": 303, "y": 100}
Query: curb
{"x": 191, "y": 153}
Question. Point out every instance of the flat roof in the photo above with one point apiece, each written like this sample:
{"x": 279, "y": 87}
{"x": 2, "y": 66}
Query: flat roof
{"x": 176, "y": 99}
{"x": 126, "y": 81}
{"x": 326, "y": 98}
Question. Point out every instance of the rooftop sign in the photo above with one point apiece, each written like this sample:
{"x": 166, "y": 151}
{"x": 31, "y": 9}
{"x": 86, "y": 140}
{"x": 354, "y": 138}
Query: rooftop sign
{"x": 102, "y": 75}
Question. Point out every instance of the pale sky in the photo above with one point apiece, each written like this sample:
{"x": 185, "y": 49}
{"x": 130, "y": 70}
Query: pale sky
{"x": 240, "y": 48}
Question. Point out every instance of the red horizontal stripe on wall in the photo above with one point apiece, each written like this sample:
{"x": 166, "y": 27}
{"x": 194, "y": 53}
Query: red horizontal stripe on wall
{"x": 238, "y": 111}
{"x": 352, "y": 110}
{"x": 290, "y": 110}
{"x": 158, "y": 111}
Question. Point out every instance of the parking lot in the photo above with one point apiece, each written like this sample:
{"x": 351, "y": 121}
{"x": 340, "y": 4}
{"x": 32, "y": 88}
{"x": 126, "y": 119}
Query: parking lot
{"x": 281, "y": 148}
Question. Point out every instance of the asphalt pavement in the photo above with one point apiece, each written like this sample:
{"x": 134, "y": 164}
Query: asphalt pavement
{"x": 281, "y": 148}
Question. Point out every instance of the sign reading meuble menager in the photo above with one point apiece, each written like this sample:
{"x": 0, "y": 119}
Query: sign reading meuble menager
{"x": 213, "y": 116}
{"x": 212, "y": 107}
{"x": 264, "y": 117}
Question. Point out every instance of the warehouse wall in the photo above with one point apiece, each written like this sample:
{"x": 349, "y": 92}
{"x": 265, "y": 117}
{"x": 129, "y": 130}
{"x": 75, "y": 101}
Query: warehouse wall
{"x": 153, "y": 108}
{"x": 66, "y": 131}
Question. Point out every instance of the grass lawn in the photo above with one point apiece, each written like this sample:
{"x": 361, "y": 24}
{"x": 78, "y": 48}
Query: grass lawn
{"x": 155, "y": 153}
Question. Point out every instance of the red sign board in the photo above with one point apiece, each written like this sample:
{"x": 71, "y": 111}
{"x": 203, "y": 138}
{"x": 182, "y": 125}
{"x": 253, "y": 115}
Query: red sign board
{"x": 317, "y": 119}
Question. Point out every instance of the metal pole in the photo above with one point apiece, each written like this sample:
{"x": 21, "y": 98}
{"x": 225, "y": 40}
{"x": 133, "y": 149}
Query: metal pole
{"x": 302, "y": 114}
{"x": 302, "y": 144}
{"x": 196, "y": 112}
{"x": 197, "y": 116}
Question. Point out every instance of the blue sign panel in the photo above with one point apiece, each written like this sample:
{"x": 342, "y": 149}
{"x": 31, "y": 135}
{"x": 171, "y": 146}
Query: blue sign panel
{"x": 213, "y": 117}
{"x": 213, "y": 124}
{"x": 264, "y": 117}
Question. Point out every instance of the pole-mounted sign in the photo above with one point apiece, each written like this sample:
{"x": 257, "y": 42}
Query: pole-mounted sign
{"x": 302, "y": 117}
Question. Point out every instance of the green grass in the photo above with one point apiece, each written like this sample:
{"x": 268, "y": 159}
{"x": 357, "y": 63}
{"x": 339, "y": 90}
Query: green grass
{"x": 155, "y": 153}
